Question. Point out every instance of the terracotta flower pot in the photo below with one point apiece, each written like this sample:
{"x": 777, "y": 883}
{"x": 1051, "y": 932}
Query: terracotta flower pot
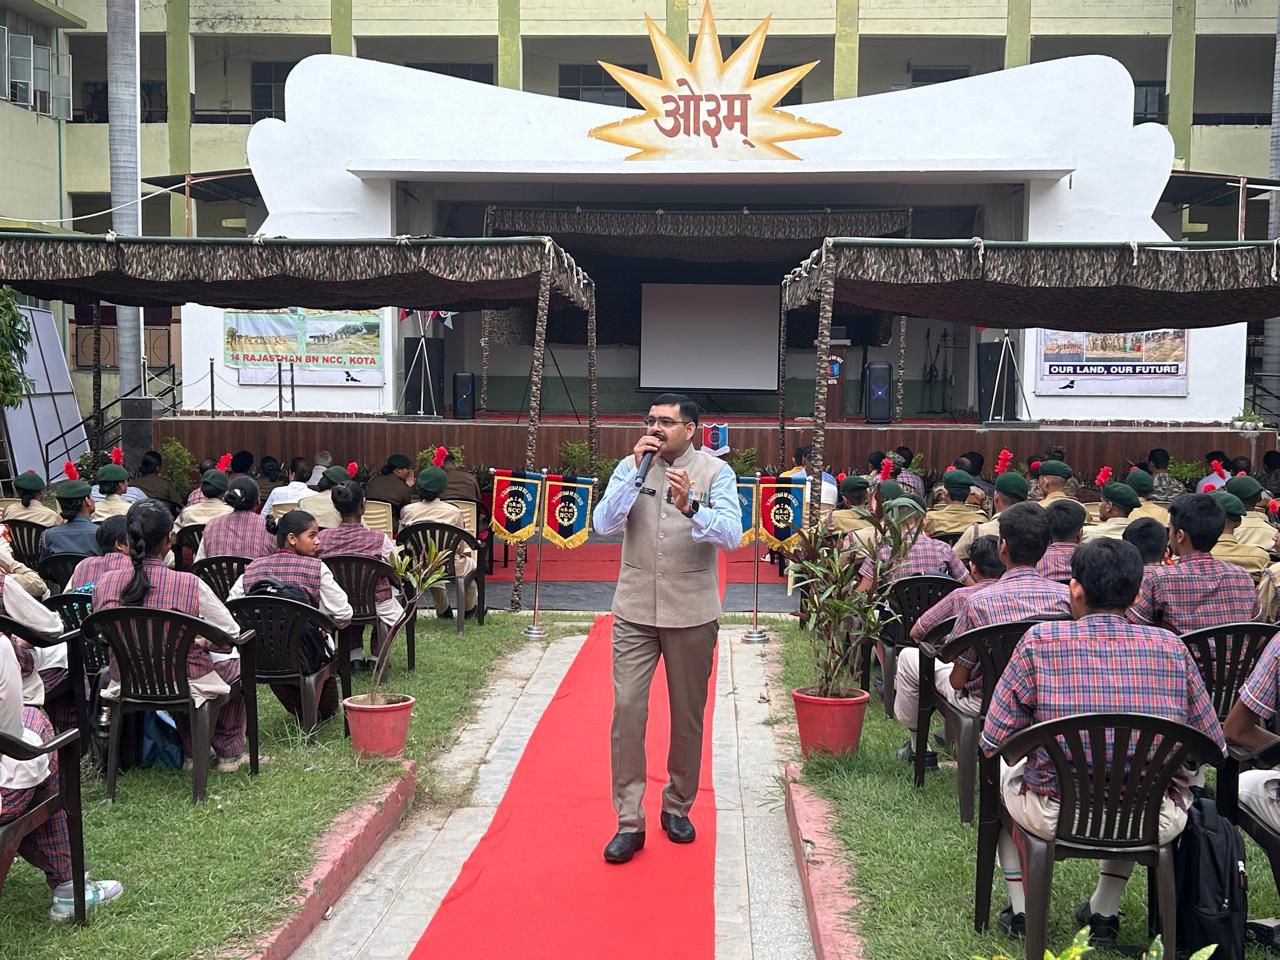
{"x": 378, "y": 729}
{"x": 828, "y": 724}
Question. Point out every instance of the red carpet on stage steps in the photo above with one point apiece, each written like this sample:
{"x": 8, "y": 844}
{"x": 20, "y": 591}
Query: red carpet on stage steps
{"x": 599, "y": 563}
{"x": 537, "y": 888}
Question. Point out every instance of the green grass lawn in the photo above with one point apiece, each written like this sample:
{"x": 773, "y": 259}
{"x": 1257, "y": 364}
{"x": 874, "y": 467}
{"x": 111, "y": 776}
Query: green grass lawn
{"x": 199, "y": 878}
{"x": 913, "y": 861}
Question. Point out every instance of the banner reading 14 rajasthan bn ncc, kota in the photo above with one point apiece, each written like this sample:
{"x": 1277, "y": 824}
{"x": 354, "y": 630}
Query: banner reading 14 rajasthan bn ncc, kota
{"x": 326, "y": 348}
{"x": 1148, "y": 364}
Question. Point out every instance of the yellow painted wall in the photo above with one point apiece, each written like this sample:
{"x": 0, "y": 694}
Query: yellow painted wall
{"x": 927, "y": 17}
{"x": 1242, "y": 150}
{"x": 793, "y": 17}
{"x": 1101, "y": 17}
{"x": 216, "y": 146}
{"x": 271, "y": 17}
{"x": 87, "y": 167}
{"x": 1223, "y": 16}
{"x": 577, "y": 18}
{"x": 883, "y": 61}
{"x": 29, "y": 161}
{"x": 396, "y": 18}
{"x": 94, "y": 14}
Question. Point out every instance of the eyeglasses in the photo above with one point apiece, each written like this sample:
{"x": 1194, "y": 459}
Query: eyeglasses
{"x": 665, "y": 422}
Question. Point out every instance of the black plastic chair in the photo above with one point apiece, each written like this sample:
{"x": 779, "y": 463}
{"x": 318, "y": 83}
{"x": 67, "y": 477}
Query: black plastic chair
{"x": 950, "y": 539}
{"x": 56, "y": 569}
{"x": 926, "y": 701}
{"x": 910, "y": 597}
{"x": 46, "y": 804}
{"x": 359, "y": 577}
{"x": 483, "y": 533}
{"x": 447, "y": 539}
{"x": 1110, "y": 807}
{"x": 86, "y": 659}
{"x": 24, "y": 536}
{"x": 1263, "y": 834}
{"x": 220, "y": 573}
{"x": 273, "y": 656}
{"x": 149, "y": 648}
{"x": 187, "y": 539}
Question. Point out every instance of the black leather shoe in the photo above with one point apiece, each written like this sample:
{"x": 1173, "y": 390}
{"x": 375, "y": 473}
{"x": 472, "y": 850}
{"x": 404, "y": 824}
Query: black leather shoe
{"x": 1012, "y": 925}
{"x": 447, "y": 615}
{"x": 623, "y": 847}
{"x": 679, "y": 829}
{"x": 1103, "y": 931}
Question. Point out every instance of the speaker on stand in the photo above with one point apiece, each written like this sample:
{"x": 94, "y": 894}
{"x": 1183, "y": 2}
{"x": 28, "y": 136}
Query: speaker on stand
{"x": 877, "y": 402}
{"x": 464, "y": 396}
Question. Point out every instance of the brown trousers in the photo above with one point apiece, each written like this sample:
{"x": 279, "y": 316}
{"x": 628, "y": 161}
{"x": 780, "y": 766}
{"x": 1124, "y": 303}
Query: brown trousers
{"x": 686, "y": 653}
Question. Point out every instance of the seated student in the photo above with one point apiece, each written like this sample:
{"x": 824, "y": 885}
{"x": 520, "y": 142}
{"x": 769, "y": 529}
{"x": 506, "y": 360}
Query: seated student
{"x": 320, "y": 504}
{"x": 431, "y": 509}
{"x": 986, "y": 568}
{"x": 956, "y": 515}
{"x": 1167, "y": 486}
{"x": 147, "y": 582}
{"x": 1213, "y": 479}
{"x": 241, "y": 465}
{"x": 353, "y": 537}
{"x": 1144, "y": 486}
{"x": 1151, "y": 537}
{"x": 23, "y": 782}
{"x": 463, "y": 485}
{"x": 213, "y": 487}
{"x": 1010, "y": 488}
{"x": 1252, "y": 560}
{"x": 1197, "y": 591}
{"x": 76, "y": 534}
{"x": 850, "y": 515}
{"x": 295, "y": 564}
{"x": 30, "y": 486}
{"x": 1256, "y": 706}
{"x": 196, "y": 495}
{"x": 1042, "y": 682}
{"x": 42, "y": 667}
{"x": 294, "y": 490}
{"x": 155, "y": 486}
{"x": 393, "y": 484}
{"x": 243, "y": 531}
{"x": 270, "y": 475}
{"x": 1052, "y": 479}
{"x": 1066, "y": 526}
{"x": 1119, "y": 500}
{"x": 113, "y": 541}
{"x": 925, "y": 555}
{"x": 112, "y": 480}
{"x": 1254, "y": 528}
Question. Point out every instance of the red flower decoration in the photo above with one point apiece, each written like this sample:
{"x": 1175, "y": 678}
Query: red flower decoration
{"x": 1003, "y": 461}
{"x": 1035, "y": 465}
{"x": 1240, "y": 473}
{"x": 886, "y": 469}
{"x": 353, "y": 468}
{"x": 1273, "y": 506}
{"x": 1210, "y": 487}
{"x": 69, "y": 471}
{"x": 1217, "y": 468}
{"x": 840, "y": 477}
{"x": 117, "y": 456}
{"x": 1103, "y": 478}
{"x": 438, "y": 458}
{"x": 224, "y": 462}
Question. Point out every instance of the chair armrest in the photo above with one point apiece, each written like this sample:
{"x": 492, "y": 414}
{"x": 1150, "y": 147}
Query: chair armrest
{"x": 927, "y": 649}
{"x": 1268, "y": 756}
{"x": 21, "y": 750}
{"x": 245, "y": 637}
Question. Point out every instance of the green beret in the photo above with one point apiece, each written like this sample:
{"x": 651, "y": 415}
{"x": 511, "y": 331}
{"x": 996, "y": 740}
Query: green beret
{"x": 1142, "y": 482}
{"x": 1056, "y": 468}
{"x": 853, "y": 484}
{"x": 216, "y": 479}
{"x": 957, "y": 478}
{"x": 1121, "y": 494}
{"x": 73, "y": 490}
{"x": 1230, "y": 503}
{"x": 432, "y": 480}
{"x": 337, "y": 475}
{"x": 398, "y": 461}
{"x": 30, "y": 482}
{"x": 1013, "y": 485}
{"x": 1246, "y": 488}
{"x": 112, "y": 473}
{"x": 889, "y": 490}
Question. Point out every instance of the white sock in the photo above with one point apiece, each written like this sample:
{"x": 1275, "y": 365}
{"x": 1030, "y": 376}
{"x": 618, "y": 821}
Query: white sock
{"x": 1011, "y": 866}
{"x": 1112, "y": 876}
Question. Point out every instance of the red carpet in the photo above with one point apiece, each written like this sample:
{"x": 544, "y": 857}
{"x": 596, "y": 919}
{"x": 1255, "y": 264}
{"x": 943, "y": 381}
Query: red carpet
{"x": 599, "y": 563}
{"x": 536, "y": 886}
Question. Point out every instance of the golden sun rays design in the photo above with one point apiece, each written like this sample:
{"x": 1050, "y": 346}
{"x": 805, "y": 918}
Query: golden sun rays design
{"x": 705, "y": 107}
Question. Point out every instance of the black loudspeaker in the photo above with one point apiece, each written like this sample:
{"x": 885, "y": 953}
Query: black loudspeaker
{"x": 464, "y": 396}
{"x": 418, "y": 399}
{"x": 1004, "y": 391}
{"x": 879, "y": 380}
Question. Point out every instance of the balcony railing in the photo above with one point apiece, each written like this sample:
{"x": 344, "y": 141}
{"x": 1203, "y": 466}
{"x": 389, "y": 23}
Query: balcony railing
{"x": 1231, "y": 119}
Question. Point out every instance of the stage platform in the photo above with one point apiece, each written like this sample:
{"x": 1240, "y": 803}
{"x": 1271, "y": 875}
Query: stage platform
{"x": 499, "y": 440}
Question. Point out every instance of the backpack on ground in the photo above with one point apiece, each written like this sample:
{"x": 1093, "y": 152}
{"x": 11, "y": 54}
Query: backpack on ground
{"x": 315, "y": 650}
{"x": 1213, "y": 888}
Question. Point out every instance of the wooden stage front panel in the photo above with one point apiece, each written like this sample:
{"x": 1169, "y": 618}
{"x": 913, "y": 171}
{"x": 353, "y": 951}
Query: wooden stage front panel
{"x": 501, "y": 443}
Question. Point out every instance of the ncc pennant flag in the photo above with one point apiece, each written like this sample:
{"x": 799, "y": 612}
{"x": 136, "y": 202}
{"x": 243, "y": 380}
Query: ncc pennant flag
{"x": 749, "y": 502}
{"x": 782, "y": 510}
{"x": 515, "y": 504}
{"x": 715, "y": 439}
{"x": 567, "y": 511}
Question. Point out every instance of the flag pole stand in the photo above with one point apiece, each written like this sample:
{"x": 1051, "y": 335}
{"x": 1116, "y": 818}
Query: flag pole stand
{"x": 755, "y": 634}
{"x": 533, "y": 631}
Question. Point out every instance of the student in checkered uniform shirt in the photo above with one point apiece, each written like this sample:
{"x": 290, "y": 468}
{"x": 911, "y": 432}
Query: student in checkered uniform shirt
{"x": 1066, "y": 527}
{"x": 1094, "y": 663}
{"x": 1198, "y": 591}
{"x": 1259, "y": 789}
{"x": 926, "y": 555}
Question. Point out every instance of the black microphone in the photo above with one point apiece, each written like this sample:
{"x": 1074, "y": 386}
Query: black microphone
{"x": 645, "y": 463}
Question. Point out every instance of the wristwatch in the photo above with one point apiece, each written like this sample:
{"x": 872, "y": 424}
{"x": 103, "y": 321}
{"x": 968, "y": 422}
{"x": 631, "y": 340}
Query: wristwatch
{"x": 693, "y": 508}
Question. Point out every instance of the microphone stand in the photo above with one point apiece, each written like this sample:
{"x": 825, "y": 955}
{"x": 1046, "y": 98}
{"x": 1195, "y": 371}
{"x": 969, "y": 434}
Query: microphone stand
{"x": 533, "y": 631}
{"x": 755, "y": 634}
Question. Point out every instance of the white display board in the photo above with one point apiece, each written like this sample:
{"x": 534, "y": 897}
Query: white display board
{"x": 1145, "y": 364}
{"x": 699, "y": 337}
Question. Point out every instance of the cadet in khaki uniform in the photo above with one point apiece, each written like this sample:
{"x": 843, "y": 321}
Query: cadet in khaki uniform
{"x": 213, "y": 485}
{"x": 667, "y": 604}
{"x": 320, "y": 504}
{"x": 1144, "y": 486}
{"x": 112, "y": 480}
{"x": 30, "y": 485}
{"x": 1254, "y": 528}
{"x": 1118, "y": 503}
{"x": 431, "y": 509}
{"x": 1052, "y": 479}
{"x": 853, "y": 499}
{"x": 1253, "y": 560}
{"x": 956, "y": 516}
{"x": 1011, "y": 488}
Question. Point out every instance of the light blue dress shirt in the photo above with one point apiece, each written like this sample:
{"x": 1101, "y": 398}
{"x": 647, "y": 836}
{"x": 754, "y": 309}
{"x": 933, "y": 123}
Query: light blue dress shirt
{"x": 719, "y": 522}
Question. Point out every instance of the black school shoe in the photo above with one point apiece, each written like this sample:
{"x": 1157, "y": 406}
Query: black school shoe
{"x": 624, "y": 846}
{"x": 907, "y": 754}
{"x": 1103, "y": 931}
{"x": 1012, "y": 925}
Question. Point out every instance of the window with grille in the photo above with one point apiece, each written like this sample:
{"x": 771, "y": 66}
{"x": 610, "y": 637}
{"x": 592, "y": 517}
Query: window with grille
{"x": 42, "y": 79}
{"x": 479, "y": 72}
{"x": 60, "y": 89}
{"x": 592, "y": 83}
{"x": 21, "y": 55}
{"x": 1149, "y": 101}
{"x": 267, "y": 90}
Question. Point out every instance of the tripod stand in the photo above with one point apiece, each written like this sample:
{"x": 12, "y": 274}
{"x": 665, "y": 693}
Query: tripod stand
{"x": 425, "y": 386}
{"x": 1000, "y": 389}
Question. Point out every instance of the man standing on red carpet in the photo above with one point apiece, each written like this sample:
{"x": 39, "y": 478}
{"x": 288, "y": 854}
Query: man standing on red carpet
{"x": 676, "y": 506}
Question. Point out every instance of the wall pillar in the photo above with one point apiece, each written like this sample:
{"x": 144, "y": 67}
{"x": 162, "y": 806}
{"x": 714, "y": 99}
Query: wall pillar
{"x": 177, "y": 17}
{"x": 510, "y": 46}
{"x": 845, "y": 64}
{"x": 341, "y": 30}
{"x": 678, "y": 24}
{"x": 1181, "y": 81}
{"x": 1017, "y": 34}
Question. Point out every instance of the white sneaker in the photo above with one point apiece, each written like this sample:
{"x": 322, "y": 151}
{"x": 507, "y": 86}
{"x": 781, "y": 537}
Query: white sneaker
{"x": 96, "y": 893}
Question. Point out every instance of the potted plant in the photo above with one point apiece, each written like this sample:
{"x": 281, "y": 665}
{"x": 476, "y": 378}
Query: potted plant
{"x": 839, "y": 619}
{"x": 1248, "y": 421}
{"x": 379, "y": 721}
